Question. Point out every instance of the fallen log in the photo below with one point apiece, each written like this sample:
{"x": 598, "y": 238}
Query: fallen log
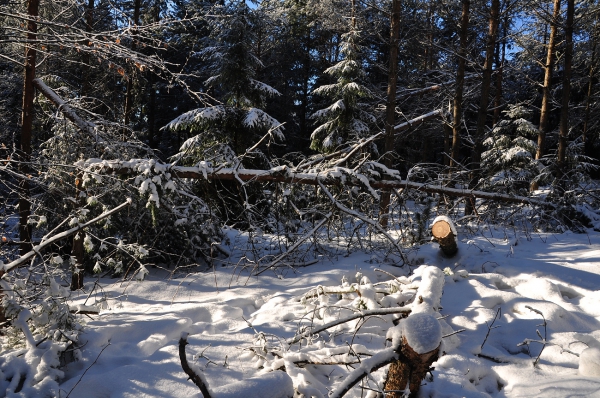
{"x": 444, "y": 232}
{"x": 287, "y": 174}
{"x": 63, "y": 107}
{"x": 417, "y": 121}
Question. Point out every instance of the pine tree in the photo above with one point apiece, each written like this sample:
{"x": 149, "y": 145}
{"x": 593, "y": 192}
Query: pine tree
{"x": 346, "y": 118}
{"x": 509, "y": 163}
{"x": 237, "y": 120}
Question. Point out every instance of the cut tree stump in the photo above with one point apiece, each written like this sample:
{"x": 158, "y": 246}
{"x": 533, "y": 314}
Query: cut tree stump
{"x": 408, "y": 371}
{"x": 442, "y": 231}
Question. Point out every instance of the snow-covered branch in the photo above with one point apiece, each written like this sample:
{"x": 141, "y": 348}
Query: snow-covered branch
{"x": 63, "y": 107}
{"x": 357, "y": 315}
{"x": 38, "y": 249}
{"x": 287, "y": 174}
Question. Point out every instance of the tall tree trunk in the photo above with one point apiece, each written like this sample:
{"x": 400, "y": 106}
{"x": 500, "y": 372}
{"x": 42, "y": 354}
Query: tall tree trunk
{"x": 547, "y": 94}
{"x": 154, "y": 135}
{"x": 428, "y": 53}
{"x": 500, "y": 59}
{"x": 26, "y": 127}
{"x": 563, "y": 132}
{"x": 460, "y": 81}
{"x": 588, "y": 98}
{"x": 129, "y": 92}
{"x": 485, "y": 99}
{"x": 89, "y": 24}
{"x": 390, "y": 107}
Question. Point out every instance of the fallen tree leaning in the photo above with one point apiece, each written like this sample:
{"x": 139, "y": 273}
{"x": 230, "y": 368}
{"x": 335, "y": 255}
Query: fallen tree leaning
{"x": 287, "y": 174}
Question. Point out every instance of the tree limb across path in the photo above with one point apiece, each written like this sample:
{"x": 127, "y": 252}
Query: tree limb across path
{"x": 287, "y": 174}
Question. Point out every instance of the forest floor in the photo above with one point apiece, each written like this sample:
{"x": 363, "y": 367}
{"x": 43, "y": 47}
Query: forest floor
{"x": 512, "y": 278}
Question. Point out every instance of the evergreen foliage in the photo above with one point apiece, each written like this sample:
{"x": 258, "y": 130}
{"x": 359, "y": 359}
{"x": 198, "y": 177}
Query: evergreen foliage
{"x": 509, "y": 162}
{"x": 346, "y": 119}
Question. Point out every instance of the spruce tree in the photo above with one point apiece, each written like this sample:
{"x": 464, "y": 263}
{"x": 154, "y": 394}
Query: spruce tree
{"x": 237, "y": 120}
{"x": 346, "y": 118}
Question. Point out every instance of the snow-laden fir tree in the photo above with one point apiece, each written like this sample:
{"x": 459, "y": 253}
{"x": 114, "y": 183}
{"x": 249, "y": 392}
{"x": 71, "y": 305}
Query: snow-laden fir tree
{"x": 509, "y": 163}
{"x": 228, "y": 128}
{"x": 346, "y": 118}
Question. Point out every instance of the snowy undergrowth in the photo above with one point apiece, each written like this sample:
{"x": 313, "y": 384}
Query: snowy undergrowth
{"x": 499, "y": 288}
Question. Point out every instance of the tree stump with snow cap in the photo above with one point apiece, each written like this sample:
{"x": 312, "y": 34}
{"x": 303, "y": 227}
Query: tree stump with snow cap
{"x": 418, "y": 340}
{"x": 444, "y": 232}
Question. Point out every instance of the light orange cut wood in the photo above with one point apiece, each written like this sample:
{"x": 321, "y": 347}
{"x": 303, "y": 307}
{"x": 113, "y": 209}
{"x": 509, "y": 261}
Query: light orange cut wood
{"x": 442, "y": 232}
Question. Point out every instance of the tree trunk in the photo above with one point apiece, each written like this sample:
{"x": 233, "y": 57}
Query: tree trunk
{"x": 588, "y": 98}
{"x": 546, "y": 99}
{"x": 442, "y": 232}
{"x": 485, "y": 99}
{"x": 408, "y": 371}
{"x": 460, "y": 82}
{"x": 26, "y": 127}
{"x": 564, "y": 111}
{"x": 153, "y": 132}
{"x": 500, "y": 60}
{"x": 129, "y": 92}
{"x": 89, "y": 23}
{"x": 390, "y": 108}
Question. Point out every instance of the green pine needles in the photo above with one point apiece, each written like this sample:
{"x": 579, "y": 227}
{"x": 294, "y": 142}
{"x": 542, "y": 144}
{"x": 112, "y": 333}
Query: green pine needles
{"x": 346, "y": 118}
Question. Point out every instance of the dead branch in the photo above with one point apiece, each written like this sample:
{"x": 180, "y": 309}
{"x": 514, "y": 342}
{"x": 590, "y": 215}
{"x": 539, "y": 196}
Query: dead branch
{"x": 417, "y": 121}
{"x": 367, "y": 367}
{"x": 367, "y": 220}
{"x": 359, "y": 314}
{"x": 197, "y": 379}
{"x": 286, "y": 174}
{"x": 38, "y": 249}
{"x": 418, "y": 91}
{"x": 296, "y": 245}
{"x": 63, "y": 107}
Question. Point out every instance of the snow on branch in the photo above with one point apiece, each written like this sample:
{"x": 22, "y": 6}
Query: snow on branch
{"x": 63, "y": 107}
{"x": 286, "y": 174}
{"x": 417, "y": 121}
{"x": 357, "y": 315}
{"x": 366, "y": 367}
{"x": 38, "y": 249}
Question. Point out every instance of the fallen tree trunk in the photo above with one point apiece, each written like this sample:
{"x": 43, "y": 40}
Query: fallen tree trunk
{"x": 408, "y": 371}
{"x": 287, "y": 174}
{"x": 443, "y": 231}
{"x": 417, "y": 121}
{"x": 63, "y": 107}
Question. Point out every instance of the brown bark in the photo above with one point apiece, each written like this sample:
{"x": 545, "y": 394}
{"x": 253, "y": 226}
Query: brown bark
{"x": 547, "y": 98}
{"x": 198, "y": 381}
{"x": 593, "y": 65}
{"x": 409, "y": 370}
{"x": 129, "y": 90}
{"x": 564, "y": 111}
{"x": 390, "y": 108}
{"x": 460, "y": 82}
{"x": 485, "y": 99}
{"x": 26, "y": 127}
{"x": 89, "y": 23}
{"x": 442, "y": 232}
{"x": 500, "y": 60}
{"x": 153, "y": 132}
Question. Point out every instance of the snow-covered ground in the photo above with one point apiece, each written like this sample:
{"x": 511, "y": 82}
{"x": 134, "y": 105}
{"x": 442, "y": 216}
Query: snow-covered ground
{"x": 498, "y": 289}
